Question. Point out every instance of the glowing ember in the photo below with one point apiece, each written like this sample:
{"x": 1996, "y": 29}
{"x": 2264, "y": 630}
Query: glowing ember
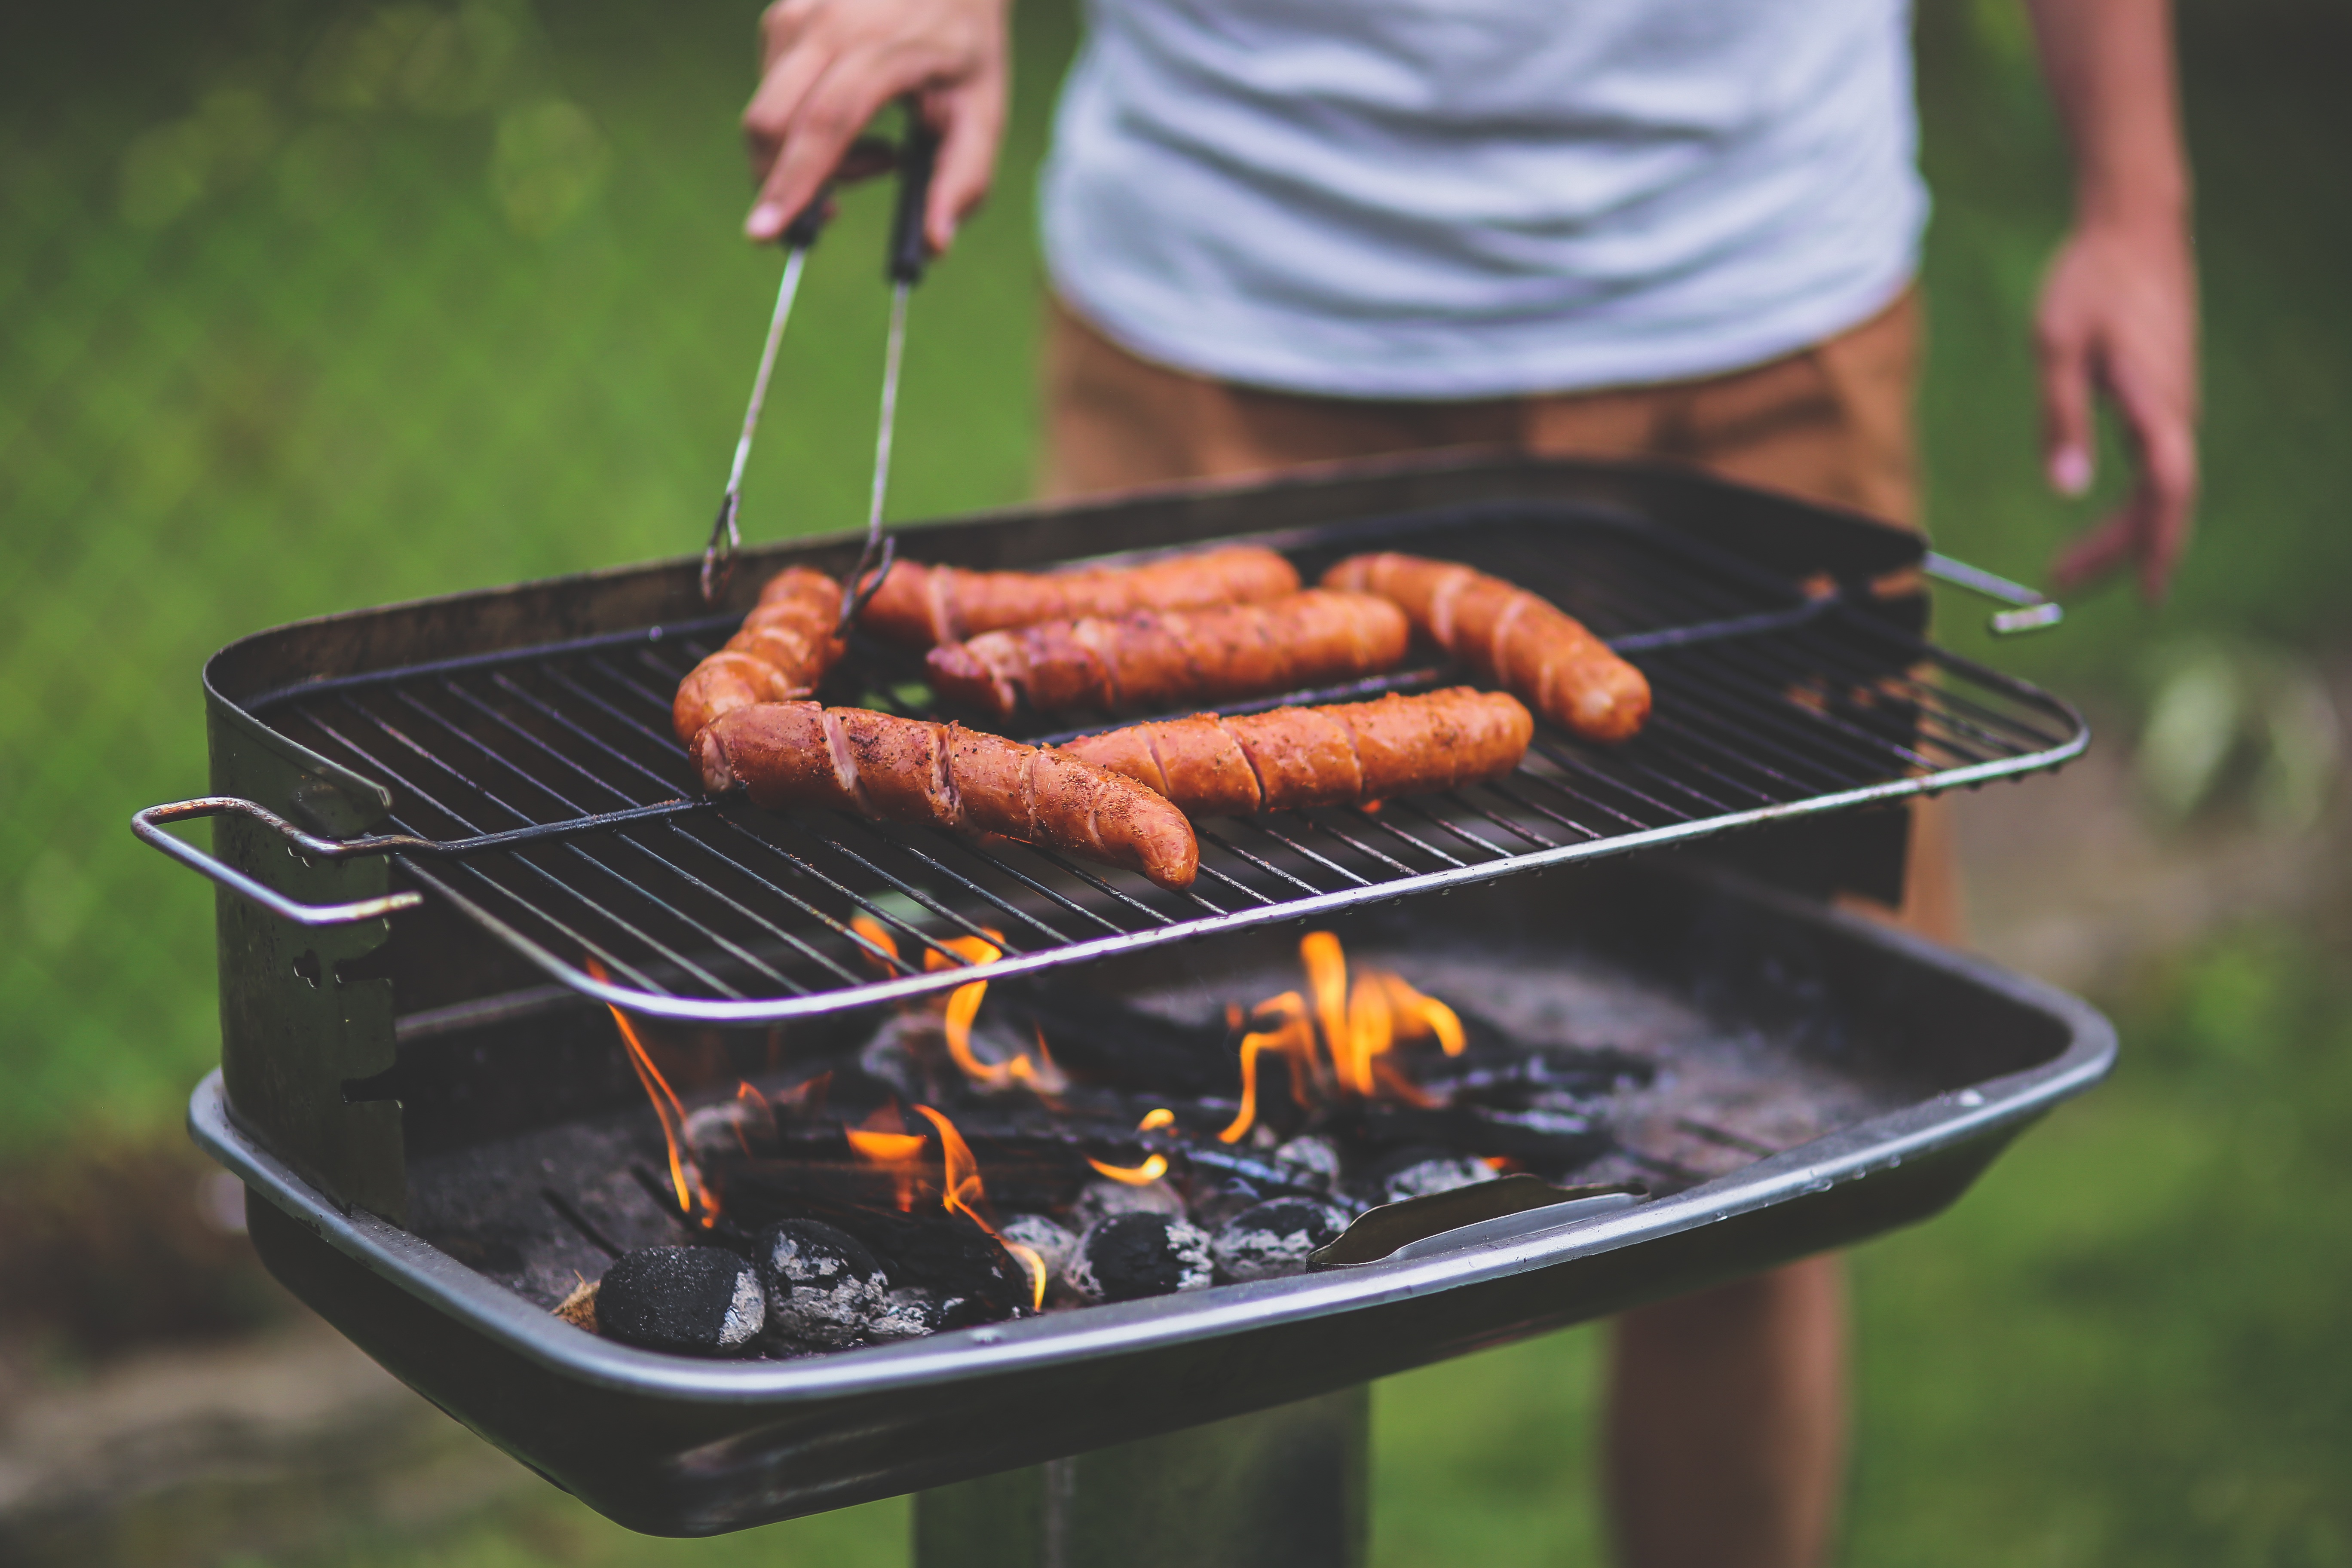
{"x": 959, "y": 1184}
{"x": 685, "y": 1176}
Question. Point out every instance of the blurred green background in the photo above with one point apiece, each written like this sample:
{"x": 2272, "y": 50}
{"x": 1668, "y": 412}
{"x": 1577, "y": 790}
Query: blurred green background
{"x": 310, "y": 307}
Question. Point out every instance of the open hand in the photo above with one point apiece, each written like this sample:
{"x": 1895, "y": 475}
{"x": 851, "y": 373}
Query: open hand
{"x": 828, "y": 65}
{"x": 2118, "y": 316}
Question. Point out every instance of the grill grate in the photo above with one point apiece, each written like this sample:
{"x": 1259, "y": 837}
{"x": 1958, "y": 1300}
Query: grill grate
{"x": 546, "y": 799}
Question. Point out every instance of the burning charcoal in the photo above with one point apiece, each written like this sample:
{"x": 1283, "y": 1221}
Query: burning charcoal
{"x": 1041, "y": 1236}
{"x": 1315, "y": 1161}
{"x": 1417, "y": 1173}
{"x": 1213, "y": 1205}
{"x": 1129, "y": 1256}
{"x": 824, "y": 1287}
{"x": 697, "y": 1301}
{"x": 1274, "y": 1238}
{"x": 908, "y": 1314}
{"x": 942, "y": 1252}
{"x": 1100, "y": 1200}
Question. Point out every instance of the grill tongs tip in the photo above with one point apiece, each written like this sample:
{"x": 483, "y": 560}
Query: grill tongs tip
{"x": 913, "y": 157}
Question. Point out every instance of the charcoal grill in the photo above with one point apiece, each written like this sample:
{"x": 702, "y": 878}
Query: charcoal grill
{"x": 431, "y": 817}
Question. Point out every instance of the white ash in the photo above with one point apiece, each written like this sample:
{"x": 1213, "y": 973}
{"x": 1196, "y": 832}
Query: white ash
{"x": 1129, "y": 1256}
{"x": 730, "y": 1127}
{"x": 824, "y": 1287}
{"x": 1437, "y": 1175}
{"x": 1274, "y": 1238}
{"x": 1049, "y": 1240}
{"x": 1100, "y": 1199}
{"x": 1314, "y": 1159}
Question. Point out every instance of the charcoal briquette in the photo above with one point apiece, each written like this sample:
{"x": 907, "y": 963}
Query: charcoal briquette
{"x": 1313, "y": 1160}
{"x": 1274, "y": 1238}
{"x": 696, "y": 1300}
{"x": 1419, "y": 1177}
{"x": 1043, "y": 1236}
{"x": 824, "y": 1286}
{"x": 1129, "y": 1256}
{"x": 1099, "y": 1200}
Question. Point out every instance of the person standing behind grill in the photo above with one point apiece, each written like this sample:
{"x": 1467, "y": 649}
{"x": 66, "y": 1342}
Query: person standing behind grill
{"x": 1284, "y": 232}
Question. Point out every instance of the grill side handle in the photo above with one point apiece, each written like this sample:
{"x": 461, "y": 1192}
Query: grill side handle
{"x": 148, "y": 825}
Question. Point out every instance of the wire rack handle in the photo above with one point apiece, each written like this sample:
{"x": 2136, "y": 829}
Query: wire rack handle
{"x": 148, "y": 825}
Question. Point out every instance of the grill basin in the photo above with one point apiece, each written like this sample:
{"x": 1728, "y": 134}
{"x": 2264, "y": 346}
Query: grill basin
{"x": 1966, "y": 1054}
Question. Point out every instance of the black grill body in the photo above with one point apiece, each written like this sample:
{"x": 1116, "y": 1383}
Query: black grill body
{"x": 1969, "y": 1054}
{"x": 516, "y": 741}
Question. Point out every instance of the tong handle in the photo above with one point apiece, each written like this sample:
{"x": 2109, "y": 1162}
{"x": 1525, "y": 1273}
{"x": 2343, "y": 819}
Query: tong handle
{"x": 148, "y": 825}
{"x": 919, "y": 153}
{"x": 2031, "y": 611}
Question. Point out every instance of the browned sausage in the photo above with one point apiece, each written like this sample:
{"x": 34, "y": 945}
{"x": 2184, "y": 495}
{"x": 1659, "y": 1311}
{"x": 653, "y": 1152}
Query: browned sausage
{"x": 1160, "y": 658}
{"x": 1511, "y": 638}
{"x": 783, "y": 650}
{"x": 921, "y": 606}
{"x": 1345, "y": 753}
{"x": 910, "y": 770}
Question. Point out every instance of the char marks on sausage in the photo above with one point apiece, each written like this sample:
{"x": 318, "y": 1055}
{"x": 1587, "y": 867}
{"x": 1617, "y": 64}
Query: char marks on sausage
{"x": 1511, "y": 637}
{"x": 784, "y": 650}
{"x": 1163, "y": 659}
{"x": 921, "y": 606}
{"x": 1344, "y": 753}
{"x": 803, "y": 754}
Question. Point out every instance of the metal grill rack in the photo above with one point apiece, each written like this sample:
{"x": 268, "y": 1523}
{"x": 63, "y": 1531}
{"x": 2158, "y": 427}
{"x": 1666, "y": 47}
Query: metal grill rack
{"x": 540, "y": 792}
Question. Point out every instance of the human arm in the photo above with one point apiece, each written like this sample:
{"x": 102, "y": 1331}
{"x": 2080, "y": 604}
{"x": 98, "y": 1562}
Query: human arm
{"x": 827, "y": 66}
{"x": 2118, "y": 310}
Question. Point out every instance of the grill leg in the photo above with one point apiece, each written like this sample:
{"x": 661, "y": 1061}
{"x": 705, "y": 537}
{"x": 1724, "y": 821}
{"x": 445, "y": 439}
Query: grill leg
{"x": 1285, "y": 1487}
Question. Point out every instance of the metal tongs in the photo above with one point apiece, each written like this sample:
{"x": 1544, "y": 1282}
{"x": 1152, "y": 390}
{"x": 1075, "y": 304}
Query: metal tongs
{"x": 917, "y": 152}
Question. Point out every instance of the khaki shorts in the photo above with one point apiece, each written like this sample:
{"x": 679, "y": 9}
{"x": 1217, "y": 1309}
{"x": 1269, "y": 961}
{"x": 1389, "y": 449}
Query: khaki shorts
{"x": 1830, "y": 423}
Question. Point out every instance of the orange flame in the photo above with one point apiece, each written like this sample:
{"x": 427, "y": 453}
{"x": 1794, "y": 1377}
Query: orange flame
{"x": 959, "y": 1184}
{"x": 871, "y": 930}
{"x": 1359, "y": 1023}
{"x": 1155, "y": 1120}
{"x": 883, "y": 1139}
{"x": 1142, "y": 1176}
{"x": 685, "y": 1176}
{"x": 1039, "y": 1073}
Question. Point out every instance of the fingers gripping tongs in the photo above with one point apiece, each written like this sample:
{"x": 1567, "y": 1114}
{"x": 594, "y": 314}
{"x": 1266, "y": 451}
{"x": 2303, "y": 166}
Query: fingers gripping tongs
{"x": 913, "y": 157}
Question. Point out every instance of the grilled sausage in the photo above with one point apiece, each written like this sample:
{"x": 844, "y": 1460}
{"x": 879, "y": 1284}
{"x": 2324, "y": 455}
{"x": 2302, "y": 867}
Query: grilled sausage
{"x": 1345, "y": 753}
{"x": 1511, "y": 638}
{"x": 783, "y": 650}
{"x": 921, "y": 606}
{"x": 910, "y": 770}
{"x": 1158, "y": 658}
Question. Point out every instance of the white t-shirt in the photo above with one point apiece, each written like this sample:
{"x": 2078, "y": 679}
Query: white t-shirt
{"x": 1472, "y": 198}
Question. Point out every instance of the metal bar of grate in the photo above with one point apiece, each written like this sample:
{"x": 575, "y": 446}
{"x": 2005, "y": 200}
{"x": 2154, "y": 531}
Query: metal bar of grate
{"x": 541, "y": 794}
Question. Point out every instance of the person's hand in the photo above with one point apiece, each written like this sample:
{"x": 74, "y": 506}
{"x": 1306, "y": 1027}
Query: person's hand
{"x": 828, "y": 65}
{"x": 2118, "y": 316}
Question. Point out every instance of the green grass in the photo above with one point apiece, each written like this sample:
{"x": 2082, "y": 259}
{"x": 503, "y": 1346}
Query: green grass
{"x": 284, "y": 332}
